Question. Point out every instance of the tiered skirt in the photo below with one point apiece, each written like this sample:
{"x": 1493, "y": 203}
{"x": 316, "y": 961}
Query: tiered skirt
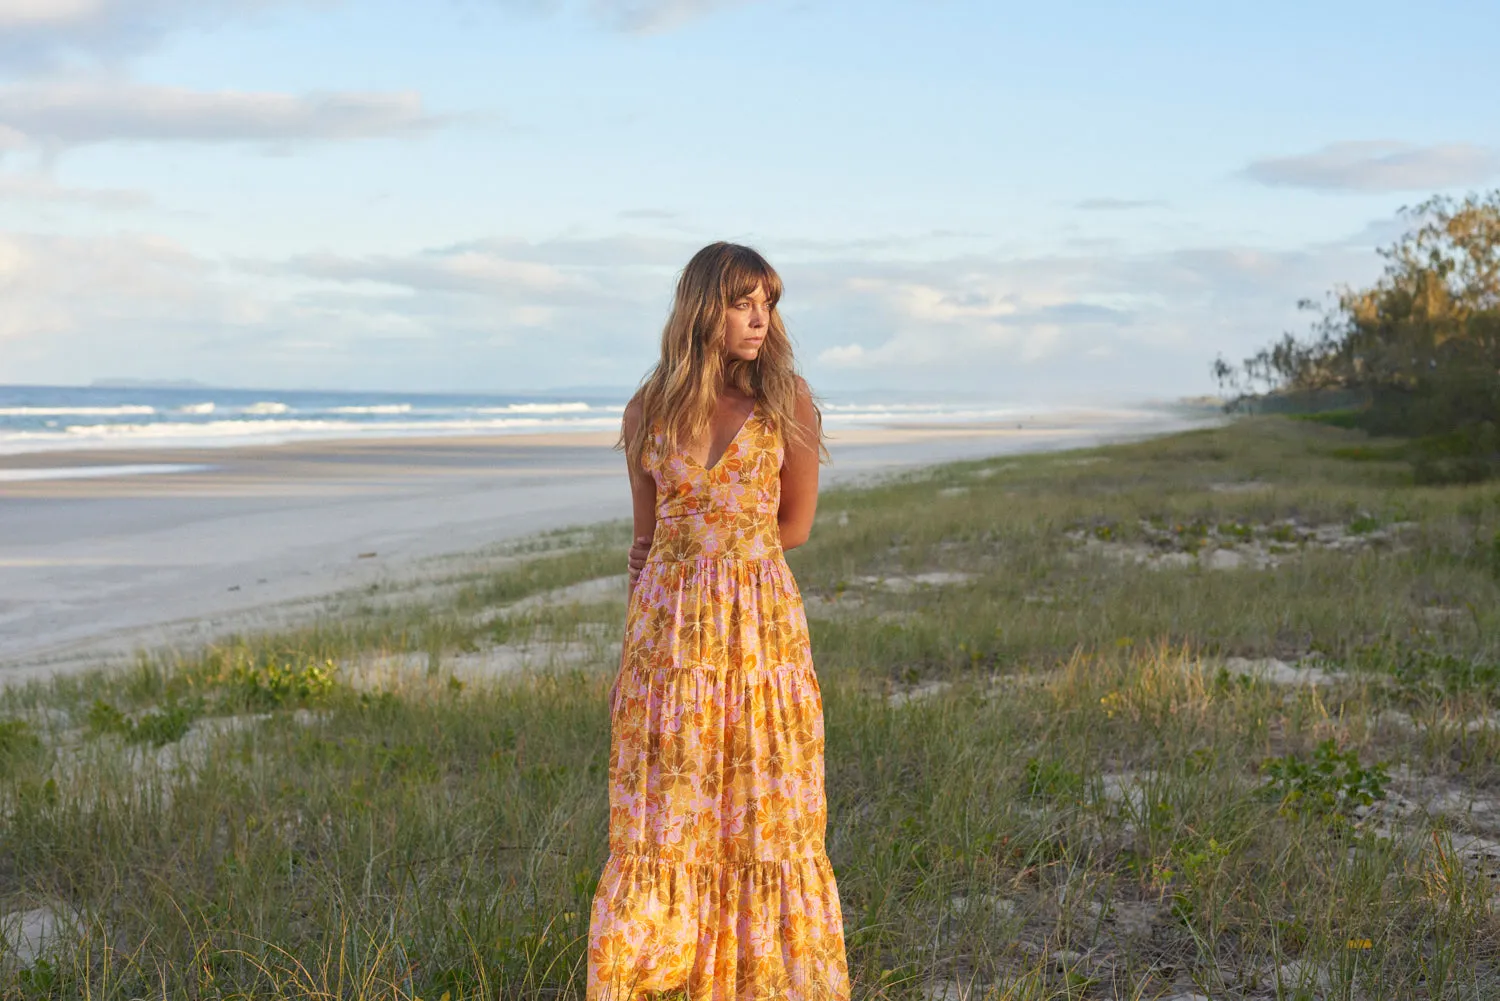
{"x": 718, "y": 884}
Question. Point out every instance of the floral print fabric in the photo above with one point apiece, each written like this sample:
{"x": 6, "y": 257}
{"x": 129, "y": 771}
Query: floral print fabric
{"x": 717, "y": 885}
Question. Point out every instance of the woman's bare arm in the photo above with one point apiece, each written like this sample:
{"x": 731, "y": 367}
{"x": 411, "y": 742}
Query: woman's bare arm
{"x": 799, "y": 476}
{"x": 642, "y": 498}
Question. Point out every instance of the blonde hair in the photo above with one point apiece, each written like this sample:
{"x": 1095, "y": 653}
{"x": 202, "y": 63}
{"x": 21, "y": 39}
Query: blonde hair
{"x": 680, "y": 394}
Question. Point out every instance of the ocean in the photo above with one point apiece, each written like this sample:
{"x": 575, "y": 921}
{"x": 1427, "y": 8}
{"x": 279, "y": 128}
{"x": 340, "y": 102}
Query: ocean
{"x": 53, "y": 418}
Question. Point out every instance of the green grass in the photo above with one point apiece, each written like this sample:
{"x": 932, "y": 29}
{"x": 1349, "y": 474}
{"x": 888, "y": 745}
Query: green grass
{"x": 1044, "y": 782}
{"x": 1348, "y": 418}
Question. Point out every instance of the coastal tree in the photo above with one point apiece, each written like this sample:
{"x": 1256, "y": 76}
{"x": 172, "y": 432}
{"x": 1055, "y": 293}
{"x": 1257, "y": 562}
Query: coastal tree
{"x": 1417, "y": 352}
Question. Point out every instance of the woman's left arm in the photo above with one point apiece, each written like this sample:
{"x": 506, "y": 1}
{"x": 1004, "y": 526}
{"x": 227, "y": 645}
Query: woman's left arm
{"x": 799, "y": 475}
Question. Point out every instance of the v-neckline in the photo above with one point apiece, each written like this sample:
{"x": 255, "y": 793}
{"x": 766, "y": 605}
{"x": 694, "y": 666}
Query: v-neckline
{"x": 741, "y": 430}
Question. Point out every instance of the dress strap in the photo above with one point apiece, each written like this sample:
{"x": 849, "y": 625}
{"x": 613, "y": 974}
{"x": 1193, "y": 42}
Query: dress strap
{"x": 651, "y": 454}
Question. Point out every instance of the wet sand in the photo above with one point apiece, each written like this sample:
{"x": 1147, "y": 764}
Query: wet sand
{"x": 94, "y": 567}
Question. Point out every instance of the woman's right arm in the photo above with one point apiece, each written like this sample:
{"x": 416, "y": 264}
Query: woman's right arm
{"x": 642, "y": 498}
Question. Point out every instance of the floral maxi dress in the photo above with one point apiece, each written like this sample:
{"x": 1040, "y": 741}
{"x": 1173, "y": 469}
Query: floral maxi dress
{"x": 717, "y": 883}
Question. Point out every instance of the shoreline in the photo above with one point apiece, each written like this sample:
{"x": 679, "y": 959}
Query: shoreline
{"x": 888, "y": 429}
{"x": 94, "y": 568}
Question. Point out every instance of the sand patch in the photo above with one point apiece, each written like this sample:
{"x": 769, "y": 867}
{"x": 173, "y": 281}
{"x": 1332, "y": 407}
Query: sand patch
{"x": 1242, "y": 487}
{"x": 1279, "y": 672}
{"x": 1412, "y": 794}
{"x": 192, "y": 748}
{"x": 392, "y": 671}
{"x": 920, "y": 692}
{"x": 1438, "y": 815}
{"x": 1405, "y": 722}
{"x": 509, "y": 659}
{"x": 954, "y": 990}
{"x": 1127, "y": 791}
{"x": 1230, "y": 545}
{"x": 586, "y": 592}
{"x": 27, "y": 936}
{"x": 905, "y": 583}
{"x": 598, "y": 590}
{"x": 989, "y": 904}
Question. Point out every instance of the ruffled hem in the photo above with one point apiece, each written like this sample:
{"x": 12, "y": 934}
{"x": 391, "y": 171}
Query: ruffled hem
{"x": 759, "y": 929}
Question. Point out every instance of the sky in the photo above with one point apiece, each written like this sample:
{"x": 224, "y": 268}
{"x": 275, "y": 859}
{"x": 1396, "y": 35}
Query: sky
{"x": 1063, "y": 202}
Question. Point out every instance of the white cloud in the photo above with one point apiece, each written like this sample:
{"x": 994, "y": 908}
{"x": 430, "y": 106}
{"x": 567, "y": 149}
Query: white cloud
{"x": 649, "y": 215}
{"x": 843, "y": 356}
{"x": 32, "y": 188}
{"x": 1380, "y": 165}
{"x": 567, "y": 274}
{"x": 41, "y": 34}
{"x": 513, "y": 314}
{"x": 36, "y": 34}
{"x": 11, "y": 139}
{"x": 463, "y": 271}
{"x": 657, "y": 15}
{"x": 138, "y": 305}
{"x": 1117, "y": 204}
{"x": 70, "y": 113}
{"x": 1086, "y": 324}
{"x": 61, "y": 286}
{"x": 21, "y": 13}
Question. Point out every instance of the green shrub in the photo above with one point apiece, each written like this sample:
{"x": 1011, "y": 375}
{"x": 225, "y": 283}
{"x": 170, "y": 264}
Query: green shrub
{"x": 16, "y": 741}
{"x": 274, "y": 685}
{"x": 157, "y": 727}
{"x": 1349, "y": 418}
{"x": 1331, "y": 784}
{"x": 1418, "y": 350}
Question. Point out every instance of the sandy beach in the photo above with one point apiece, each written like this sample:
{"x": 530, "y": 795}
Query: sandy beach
{"x": 192, "y": 543}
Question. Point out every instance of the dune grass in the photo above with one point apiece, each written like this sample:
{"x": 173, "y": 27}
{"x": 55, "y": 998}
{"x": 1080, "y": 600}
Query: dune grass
{"x": 1066, "y": 756}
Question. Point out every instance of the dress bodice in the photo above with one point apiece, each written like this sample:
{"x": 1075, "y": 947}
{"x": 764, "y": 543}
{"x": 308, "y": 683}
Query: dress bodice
{"x": 724, "y": 511}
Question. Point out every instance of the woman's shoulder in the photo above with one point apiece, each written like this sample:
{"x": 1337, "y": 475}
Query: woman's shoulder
{"x": 630, "y": 420}
{"x": 804, "y": 404}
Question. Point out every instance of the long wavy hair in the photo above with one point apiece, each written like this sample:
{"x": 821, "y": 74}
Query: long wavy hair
{"x": 681, "y": 393}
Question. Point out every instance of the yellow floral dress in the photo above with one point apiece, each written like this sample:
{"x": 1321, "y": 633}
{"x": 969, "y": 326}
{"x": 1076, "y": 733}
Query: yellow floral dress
{"x": 717, "y": 884}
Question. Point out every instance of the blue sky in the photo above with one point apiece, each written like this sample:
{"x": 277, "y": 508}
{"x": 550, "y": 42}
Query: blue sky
{"x": 1065, "y": 201}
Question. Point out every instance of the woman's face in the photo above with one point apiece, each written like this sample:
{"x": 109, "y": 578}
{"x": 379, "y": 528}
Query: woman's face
{"x": 746, "y": 325}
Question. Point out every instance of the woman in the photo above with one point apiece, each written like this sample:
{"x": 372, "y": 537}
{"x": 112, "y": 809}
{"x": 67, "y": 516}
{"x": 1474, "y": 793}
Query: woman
{"x": 717, "y": 882}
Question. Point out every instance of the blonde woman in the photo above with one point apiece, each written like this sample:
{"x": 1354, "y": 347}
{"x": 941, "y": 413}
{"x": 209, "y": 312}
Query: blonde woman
{"x": 717, "y": 884}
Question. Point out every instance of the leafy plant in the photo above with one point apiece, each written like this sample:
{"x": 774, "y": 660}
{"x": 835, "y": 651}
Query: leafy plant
{"x": 16, "y": 740}
{"x": 1052, "y": 780}
{"x": 272, "y": 685}
{"x": 157, "y": 727}
{"x": 1332, "y": 783}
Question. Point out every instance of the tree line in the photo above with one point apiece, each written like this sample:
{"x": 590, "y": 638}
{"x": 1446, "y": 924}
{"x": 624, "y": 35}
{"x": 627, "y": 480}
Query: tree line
{"x": 1416, "y": 354}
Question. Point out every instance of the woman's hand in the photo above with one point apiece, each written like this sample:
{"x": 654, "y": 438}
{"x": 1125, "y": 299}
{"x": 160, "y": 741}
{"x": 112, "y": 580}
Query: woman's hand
{"x": 639, "y": 549}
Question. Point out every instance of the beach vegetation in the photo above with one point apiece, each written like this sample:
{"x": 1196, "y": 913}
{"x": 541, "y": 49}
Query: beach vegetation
{"x": 17, "y": 741}
{"x": 157, "y": 727}
{"x": 1216, "y": 714}
{"x": 1329, "y": 782}
{"x": 1415, "y": 354}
